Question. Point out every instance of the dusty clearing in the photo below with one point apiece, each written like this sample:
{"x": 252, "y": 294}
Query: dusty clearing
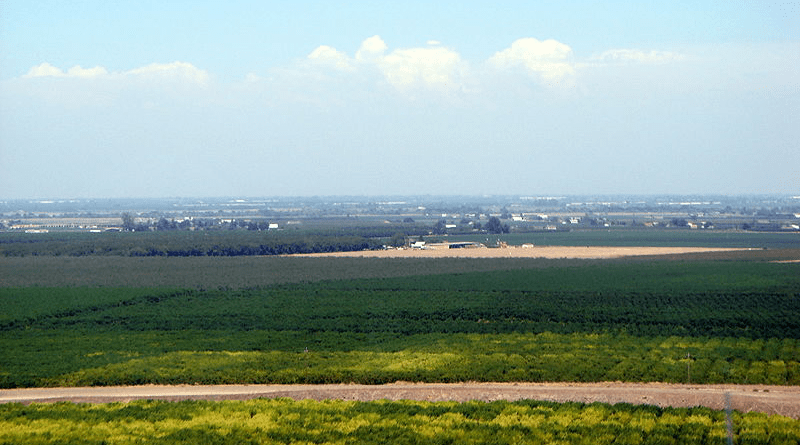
{"x": 587, "y": 252}
{"x": 783, "y": 400}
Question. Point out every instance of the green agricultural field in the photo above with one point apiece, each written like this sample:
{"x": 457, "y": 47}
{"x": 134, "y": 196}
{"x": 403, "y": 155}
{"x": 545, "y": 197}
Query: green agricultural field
{"x": 590, "y": 321}
{"x": 402, "y": 422}
{"x": 234, "y": 272}
{"x": 731, "y": 317}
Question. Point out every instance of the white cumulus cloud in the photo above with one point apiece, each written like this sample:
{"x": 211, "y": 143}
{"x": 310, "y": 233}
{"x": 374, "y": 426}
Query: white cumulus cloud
{"x": 549, "y": 59}
{"x": 371, "y": 49}
{"x": 435, "y": 67}
{"x": 430, "y": 67}
{"x": 44, "y": 70}
{"x": 326, "y": 55}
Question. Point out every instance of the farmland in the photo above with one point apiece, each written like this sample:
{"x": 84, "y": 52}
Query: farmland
{"x": 397, "y": 422}
{"x": 716, "y": 317}
{"x": 590, "y": 322}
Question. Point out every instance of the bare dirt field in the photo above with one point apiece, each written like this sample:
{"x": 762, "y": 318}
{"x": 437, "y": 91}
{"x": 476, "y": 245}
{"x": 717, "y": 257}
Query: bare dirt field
{"x": 587, "y": 252}
{"x": 783, "y": 400}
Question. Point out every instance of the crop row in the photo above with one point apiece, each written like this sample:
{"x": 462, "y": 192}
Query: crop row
{"x": 397, "y": 422}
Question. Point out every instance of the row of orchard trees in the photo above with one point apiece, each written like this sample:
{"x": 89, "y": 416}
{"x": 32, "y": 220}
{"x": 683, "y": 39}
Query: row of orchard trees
{"x": 181, "y": 243}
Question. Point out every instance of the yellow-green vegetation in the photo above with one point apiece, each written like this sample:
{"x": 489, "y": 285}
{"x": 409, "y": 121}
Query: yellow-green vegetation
{"x": 266, "y": 421}
{"x": 580, "y": 357}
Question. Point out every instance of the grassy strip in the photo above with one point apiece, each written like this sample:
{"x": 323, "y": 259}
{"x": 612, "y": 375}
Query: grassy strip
{"x": 67, "y": 358}
{"x": 400, "y": 422}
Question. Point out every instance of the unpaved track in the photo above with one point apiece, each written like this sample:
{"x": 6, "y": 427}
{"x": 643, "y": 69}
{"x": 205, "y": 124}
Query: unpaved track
{"x": 583, "y": 252}
{"x": 783, "y": 400}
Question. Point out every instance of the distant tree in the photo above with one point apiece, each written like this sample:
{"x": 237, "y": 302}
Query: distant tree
{"x": 679, "y": 222}
{"x": 408, "y": 220}
{"x": 440, "y": 227}
{"x": 495, "y": 226}
{"x": 165, "y": 224}
{"x": 127, "y": 222}
{"x": 398, "y": 240}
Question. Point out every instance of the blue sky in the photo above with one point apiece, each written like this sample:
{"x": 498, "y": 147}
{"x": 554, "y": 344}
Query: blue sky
{"x": 117, "y": 99}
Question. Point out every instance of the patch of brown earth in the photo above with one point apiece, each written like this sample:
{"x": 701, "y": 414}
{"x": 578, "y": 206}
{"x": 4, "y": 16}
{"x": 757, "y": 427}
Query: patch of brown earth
{"x": 585, "y": 252}
{"x": 783, "y": 400}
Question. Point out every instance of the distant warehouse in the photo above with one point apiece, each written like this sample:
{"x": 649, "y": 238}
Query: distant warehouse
{"x": 465, "y": 245}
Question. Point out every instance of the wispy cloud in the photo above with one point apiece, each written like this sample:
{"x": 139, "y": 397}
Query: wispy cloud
{"x": 637, "y": 56}
{"x": 47, "y": 70}
{"x": 181, "y": 71}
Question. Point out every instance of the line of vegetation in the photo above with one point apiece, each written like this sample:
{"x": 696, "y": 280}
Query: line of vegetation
{"x": 396, "y": 422}
{"x": 180, "y": 244}
{"x": 216, "y": 243}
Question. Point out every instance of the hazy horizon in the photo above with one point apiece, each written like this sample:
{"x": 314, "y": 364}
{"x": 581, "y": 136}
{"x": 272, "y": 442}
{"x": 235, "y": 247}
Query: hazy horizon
{"x": 310, "y": 98}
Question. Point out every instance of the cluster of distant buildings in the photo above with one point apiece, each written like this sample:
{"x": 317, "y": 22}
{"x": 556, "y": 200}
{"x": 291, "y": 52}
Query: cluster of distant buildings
{"x": 448, "y": 214}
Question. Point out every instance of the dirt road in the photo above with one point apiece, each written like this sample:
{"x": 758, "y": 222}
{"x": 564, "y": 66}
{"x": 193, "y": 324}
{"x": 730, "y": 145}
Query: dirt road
{"x": 783, "y": 400}
{"x": 585, "y": 252}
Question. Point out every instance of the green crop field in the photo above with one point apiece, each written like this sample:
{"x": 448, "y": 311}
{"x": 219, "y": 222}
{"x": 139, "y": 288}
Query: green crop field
{"x": 402, "y": 422}
{"x": 631, "y": 321}
{"x": 731, "y": 317}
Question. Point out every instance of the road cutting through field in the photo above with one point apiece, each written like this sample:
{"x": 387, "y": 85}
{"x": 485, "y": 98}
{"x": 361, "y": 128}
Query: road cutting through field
{"x": 783, "y": 400}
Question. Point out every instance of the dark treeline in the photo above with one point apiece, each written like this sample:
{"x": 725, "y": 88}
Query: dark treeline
{"x": 179, "y": 243}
